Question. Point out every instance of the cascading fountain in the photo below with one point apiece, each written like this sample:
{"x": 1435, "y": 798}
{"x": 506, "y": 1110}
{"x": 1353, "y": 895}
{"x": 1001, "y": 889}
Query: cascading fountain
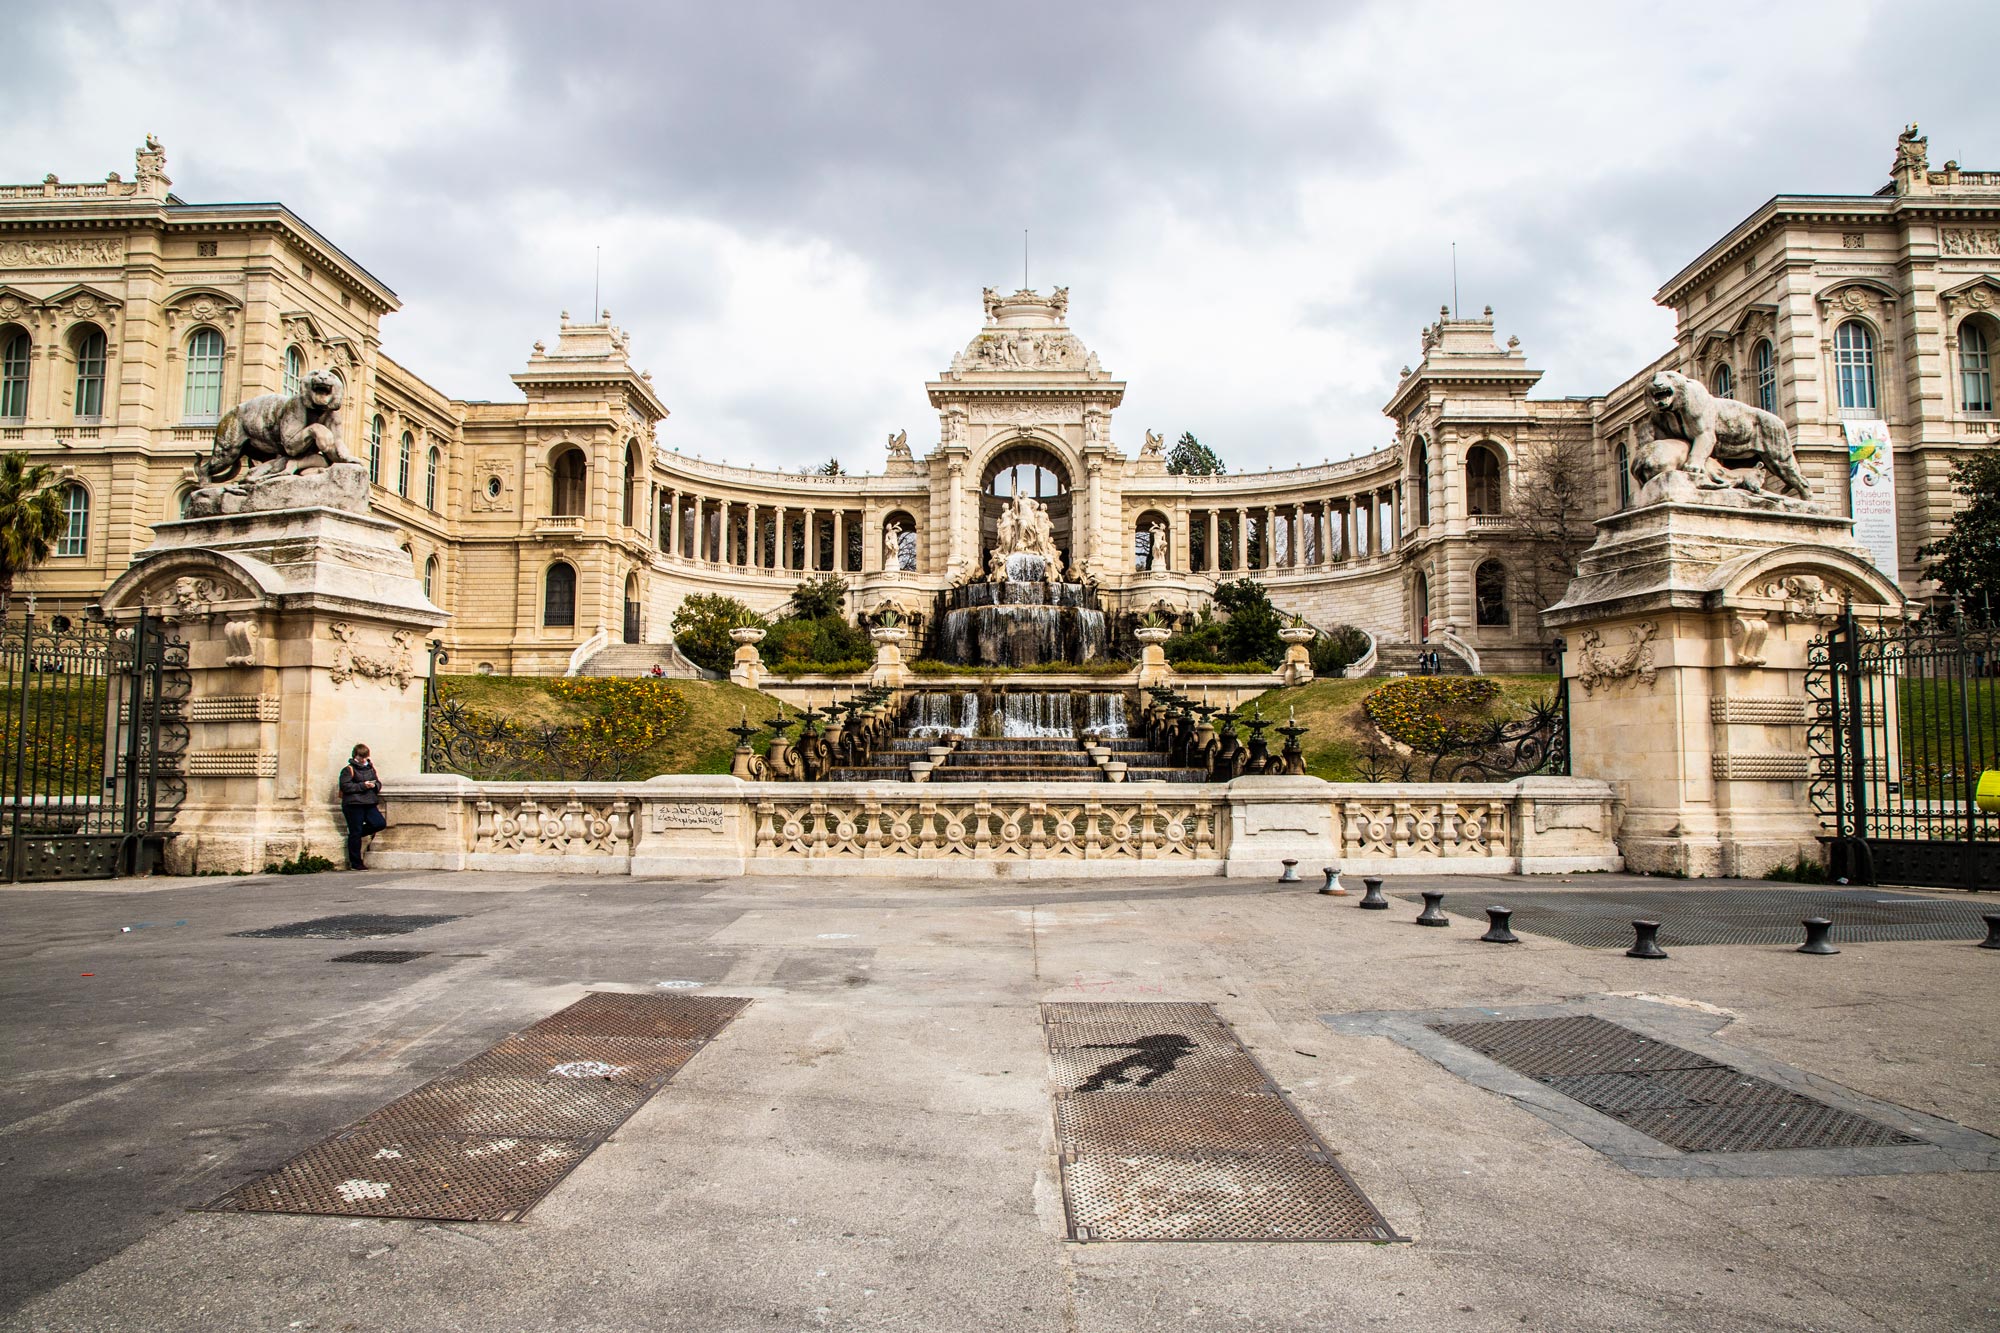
{"x": 1023, "y": 613}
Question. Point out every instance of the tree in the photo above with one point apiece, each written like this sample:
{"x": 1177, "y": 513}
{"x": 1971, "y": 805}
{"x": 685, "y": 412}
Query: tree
{"x": 1965, "y": 562}
{"x": 1251, "y": 632}
{"x": 821, "y": 598}
{"x": 1191, "y": 458}
{"x": 701, "y": 628}
{"x": 31, "y": 518}
{"x": 1555, "y": 500}
{"x": 830, "y": 468}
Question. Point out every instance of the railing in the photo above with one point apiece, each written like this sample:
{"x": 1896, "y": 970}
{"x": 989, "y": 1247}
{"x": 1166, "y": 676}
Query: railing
{"x": 1035, "y": 828}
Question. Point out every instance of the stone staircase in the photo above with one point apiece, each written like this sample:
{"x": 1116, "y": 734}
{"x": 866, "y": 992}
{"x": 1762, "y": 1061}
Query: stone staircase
{"x": 639, "y": 659}
{"x": 1394, "y": 659}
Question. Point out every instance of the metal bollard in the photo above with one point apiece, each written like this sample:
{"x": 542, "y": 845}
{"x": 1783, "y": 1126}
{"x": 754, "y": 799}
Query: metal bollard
{"x": 1496, "y": 928}
{"x": 1992, "y": 920}
{"x": 1818, "y": 928}
{"x": 1291, "y": 875}
{"x": 1433, "y": 913}
{"x": 1645, "y": 941}
{"x": 1373, "y": 899}
{"x": 1333, "y": 884}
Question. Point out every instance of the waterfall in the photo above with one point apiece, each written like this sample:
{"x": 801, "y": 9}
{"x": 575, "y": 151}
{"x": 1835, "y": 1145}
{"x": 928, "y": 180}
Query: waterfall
{"x": 1107, "y": 716}
{"x": 1040, "y": 713}
{"x": 943, "y": 713}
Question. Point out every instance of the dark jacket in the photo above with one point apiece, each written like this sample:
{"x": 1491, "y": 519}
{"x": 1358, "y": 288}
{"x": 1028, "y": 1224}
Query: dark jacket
{"x": 352, "y": 790}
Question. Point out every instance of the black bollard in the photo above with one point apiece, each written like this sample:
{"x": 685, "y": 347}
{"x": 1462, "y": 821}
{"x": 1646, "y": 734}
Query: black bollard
{"x": 1818, "y": 928}
{"x": 1373, "y": 899}
{"x": 1992, "y": 920}
{"x": 1496, "y": 929}
{"x": 1333, "y": 884}
{"x": 1645, "y": 941}
{"x": 1291, "y": 875}
{"x": 1433, "y": 913}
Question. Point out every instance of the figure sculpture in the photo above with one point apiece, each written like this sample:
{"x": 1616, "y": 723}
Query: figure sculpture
{"x": 1156, "y": 545}
{"x": 283, "y": 432}
{"x": 892, "y": 548}
{"x": 1718, "y": 431}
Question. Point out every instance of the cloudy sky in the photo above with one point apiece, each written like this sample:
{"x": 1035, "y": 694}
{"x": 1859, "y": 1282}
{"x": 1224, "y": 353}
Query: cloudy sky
{"x": 797, "y": 204}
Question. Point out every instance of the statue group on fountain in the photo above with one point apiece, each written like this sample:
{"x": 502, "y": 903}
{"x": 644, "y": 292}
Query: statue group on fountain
{"x": 1025, "y": 529}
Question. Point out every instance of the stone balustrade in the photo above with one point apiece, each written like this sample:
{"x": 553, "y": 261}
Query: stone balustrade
{"x": 1243, "y": 829}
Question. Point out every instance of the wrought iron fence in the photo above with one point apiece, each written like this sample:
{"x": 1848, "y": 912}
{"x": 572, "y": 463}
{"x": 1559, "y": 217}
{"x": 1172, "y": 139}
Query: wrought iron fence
{"x": 93, "y": 737}
{"x": 1902, "y": 721}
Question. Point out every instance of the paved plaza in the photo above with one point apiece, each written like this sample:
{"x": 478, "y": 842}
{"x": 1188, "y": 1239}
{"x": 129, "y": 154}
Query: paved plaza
{"x": 870, "y": 1145}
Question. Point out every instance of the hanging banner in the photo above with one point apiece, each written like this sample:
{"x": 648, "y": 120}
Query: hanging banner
{"x": 1871, "y": 490}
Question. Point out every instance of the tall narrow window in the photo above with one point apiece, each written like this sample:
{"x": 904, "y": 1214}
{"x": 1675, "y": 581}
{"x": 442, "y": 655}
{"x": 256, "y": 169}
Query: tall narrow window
{"x": 559, "y": 597}
{"x": 202, "y": 399}
{"x": 295, "y": 369}
{"x": 1420, "y": 478}
{"x": 1975, "y": 367}
{"x": 90, "y": 347}
{"x": 375, "y": 451}
{"x": 1765, "y": 360}
{"x": 570, "y": 480}
{"x": 1624, "y": 476}
{"x": 76, "y": 521}
{"x": 1482, "y": 480}
{"x": 431, "y": 480}
{"x": 1489, "y": 593}
{"x": 403, "y": 464}
{"x": 14, "y": 358}
{"x": 430, "y": 578}
{"x": 1723, "y": 382}
{"x": 1854, "y": 365}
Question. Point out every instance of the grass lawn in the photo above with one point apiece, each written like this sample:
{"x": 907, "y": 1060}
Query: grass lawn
{"x": 1935, "y": 719}
{"x": 696, "y": 744}
{"x": 1338, "y": 729}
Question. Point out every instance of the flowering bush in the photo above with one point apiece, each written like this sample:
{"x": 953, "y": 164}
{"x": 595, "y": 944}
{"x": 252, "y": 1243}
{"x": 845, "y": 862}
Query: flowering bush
{"x": 1433, "y": 713}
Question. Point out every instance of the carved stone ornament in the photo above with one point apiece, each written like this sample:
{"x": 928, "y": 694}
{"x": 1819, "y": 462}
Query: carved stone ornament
{"x": 1601, "y": 668}
{"x": 396, "y": 664}
{"x": 240, "y": 640}
{"x": 189, "y": 597}
{"x": 1747, "y": 630}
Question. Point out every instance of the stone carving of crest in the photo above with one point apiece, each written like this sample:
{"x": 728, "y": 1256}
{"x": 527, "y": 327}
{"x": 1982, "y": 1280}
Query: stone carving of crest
{"x": 395, "y": 663}
{"x": 1599, "y": 667}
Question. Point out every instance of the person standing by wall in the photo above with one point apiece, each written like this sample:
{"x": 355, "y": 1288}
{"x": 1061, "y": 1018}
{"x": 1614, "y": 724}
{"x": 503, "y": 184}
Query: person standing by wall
{"x": 361, "y": 803}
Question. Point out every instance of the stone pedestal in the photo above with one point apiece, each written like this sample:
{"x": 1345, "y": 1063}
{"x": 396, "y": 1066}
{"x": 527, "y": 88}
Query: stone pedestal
{"x": 1297, "y": 667}
{"x": 1153, "y": 668}
{"x": 890, "y": 672}
{"x": 306, "y": 634}
{"x": 1687, "y": 627}
{"x": 747, "y": 669}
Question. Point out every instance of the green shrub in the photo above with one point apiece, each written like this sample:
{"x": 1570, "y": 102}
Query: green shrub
{"x": 305, "y": 863}
{"x": 821, "y": 598}
{"x": 1805, "y": 870}
{"x": 1337, "y": 649}
{"x": 1432, "y": 713}
{"x": 846, "y": 667}
{"x": 701, "y": 628}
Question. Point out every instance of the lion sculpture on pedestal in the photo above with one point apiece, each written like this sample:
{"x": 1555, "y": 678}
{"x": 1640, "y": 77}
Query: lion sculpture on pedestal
{"x": 1718, "y": 439}
{"x": 279, "y": 433}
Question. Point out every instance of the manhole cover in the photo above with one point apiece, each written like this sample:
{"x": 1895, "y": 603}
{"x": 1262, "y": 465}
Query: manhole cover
{"x": 1170, "y": 1130}
{"x": 380, "y": 956}
{"x": 360, "y": 926}
{"x": 489, "y": 1138}
{"x": 1684, "y": 1100}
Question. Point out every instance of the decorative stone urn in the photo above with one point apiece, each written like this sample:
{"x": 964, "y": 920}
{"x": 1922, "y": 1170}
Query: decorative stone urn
{"x": 1153, "y": 668}
{"x": 748, "y": 669}
{"x": 1297, "y": 668}
{"x": 889, "y": 673}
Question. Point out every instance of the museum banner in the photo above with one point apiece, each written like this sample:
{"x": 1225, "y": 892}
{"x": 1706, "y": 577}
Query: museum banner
{"x": 1871, "y": 490}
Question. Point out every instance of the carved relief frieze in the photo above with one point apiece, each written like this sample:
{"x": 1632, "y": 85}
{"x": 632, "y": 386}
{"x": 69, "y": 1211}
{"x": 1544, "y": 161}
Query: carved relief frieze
{"x": 189, "y": 596}
{"x": 1981, "y": 241}
{"x": 90, "y": 252}
{"x": 393, "y": 662}
{"x": 1599, "y": 667}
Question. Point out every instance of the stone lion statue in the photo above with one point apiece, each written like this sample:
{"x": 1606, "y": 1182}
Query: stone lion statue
{"x": 1721, "y": 431}
{"x": 279, "y": 433}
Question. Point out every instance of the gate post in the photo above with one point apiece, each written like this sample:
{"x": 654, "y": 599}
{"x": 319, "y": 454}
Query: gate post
{"x": 306, "y": 629}
{"x": 1689, "y": 621}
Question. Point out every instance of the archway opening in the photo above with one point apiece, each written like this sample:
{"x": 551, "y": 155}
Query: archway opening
{"x": 1030, "y": 469}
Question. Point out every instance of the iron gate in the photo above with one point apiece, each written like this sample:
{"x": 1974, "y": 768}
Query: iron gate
{"x": 1903, "y": 719}
{"x": 93, "y": 731}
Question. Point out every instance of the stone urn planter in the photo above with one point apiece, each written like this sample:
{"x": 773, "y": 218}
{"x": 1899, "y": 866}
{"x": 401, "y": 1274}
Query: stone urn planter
{"x": 1297, "y": 666}
{"x": 1153, "y": 668}
{"x": 889, "y": 672}
{"x": 748, "y": 667}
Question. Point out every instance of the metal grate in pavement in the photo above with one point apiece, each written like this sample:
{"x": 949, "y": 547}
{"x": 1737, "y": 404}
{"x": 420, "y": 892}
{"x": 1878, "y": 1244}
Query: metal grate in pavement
{"x": 356, "y": 926}
{"x": 1684, "y": 1100}
{"x": 380, "y": 956}
{"x": 1170, "y": 1130}
{"x": 1602, "y": 919}
{"x": 486, "y": 1140}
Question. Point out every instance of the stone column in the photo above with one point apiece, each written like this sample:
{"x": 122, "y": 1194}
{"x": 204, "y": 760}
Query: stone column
{"x": 1088, "y": 545}
{"x": 1687, "y": 629}
{"x": 674, "y": 525}
{"x": 1213, "y": 552}
{"x": 306, "y": 631}
{"x": 753, "y": 551}
{"x": 955, "y": 479}
{"x": 812, "y": 540}
{"x": 840, "y": 541}
{"x": 1242, "y": 542}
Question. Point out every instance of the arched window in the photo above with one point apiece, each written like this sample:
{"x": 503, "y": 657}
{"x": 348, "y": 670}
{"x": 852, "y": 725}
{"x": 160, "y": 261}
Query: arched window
{"x": 1764, "y": 359}
{"x": 631, "y": 506}
{"x": 295, "y": 369}
{"x": 1624, "y": 475}
{"x": 75, "y": 539}
{"x": 570, "y": 479}
{"x": 1420, "y": 479}
{"x": 632, "y": 620}
{"x": 375, "y": 451}
{"x": 1482, "y": 480}
{"x": 182, "y": 500}
{"x": 1975, "y": 367}
{"x": 403, "y": 463}
{"x": 559, "y": 596}
{"x": 904, "y": 557}
{"x": 89, "y": 345}
{"x": 1723, "y": 382}
{"x": 201, "y": 400}
{"x": 430, "y": 578}
{"x": 15, "y": 353}
{"x": 1151, "y": 546}
{"x": 1854, "y": 365}
{"x": 431, "y": 480}
{"x": 1489, "y": 594}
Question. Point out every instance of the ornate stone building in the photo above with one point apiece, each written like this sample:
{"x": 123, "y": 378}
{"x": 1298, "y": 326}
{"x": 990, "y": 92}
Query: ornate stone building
{"x": 549, "y": 526}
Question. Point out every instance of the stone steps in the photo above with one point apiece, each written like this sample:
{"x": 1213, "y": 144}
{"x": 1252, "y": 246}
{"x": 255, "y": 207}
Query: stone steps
{"x": 639, "y": 659}
{"x": 1403, "y": 659}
